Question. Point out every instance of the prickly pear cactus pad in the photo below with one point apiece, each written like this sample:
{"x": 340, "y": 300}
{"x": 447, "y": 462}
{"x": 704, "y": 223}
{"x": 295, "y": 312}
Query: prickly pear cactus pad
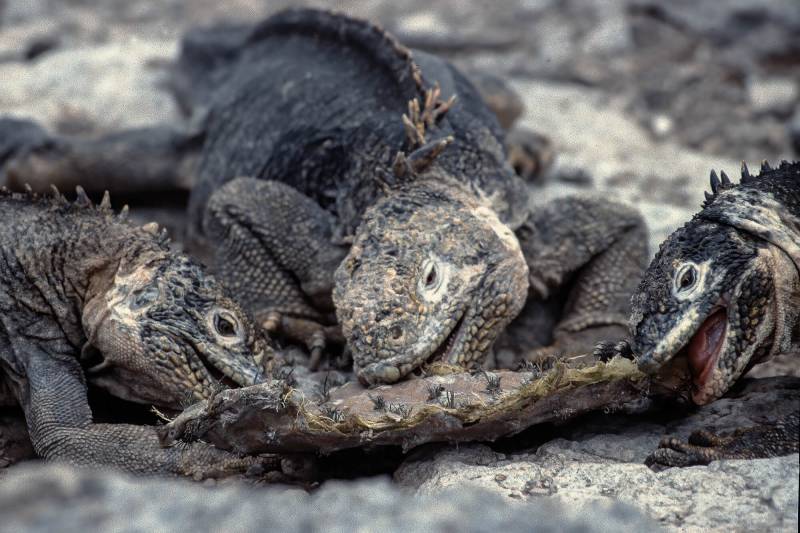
{"x": 278, "y": 417}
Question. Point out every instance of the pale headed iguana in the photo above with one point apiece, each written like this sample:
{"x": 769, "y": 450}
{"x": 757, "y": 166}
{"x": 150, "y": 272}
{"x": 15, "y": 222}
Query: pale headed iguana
{"x": 87, "y": 297}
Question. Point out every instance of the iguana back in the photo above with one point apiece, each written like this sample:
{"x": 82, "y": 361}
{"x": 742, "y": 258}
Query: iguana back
{"x": 314, "y": 100}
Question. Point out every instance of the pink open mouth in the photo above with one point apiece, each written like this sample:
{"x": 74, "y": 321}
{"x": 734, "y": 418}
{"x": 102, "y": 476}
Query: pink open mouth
{"x": 704, "y": 347}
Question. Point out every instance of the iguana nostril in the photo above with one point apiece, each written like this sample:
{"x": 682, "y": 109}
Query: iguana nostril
{"x": 396, "y": 332}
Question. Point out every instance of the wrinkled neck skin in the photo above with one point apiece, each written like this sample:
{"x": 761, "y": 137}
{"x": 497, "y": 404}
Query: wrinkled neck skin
{"x": 115, "y": 335}
{"x": 758, "y": 325}
{"x": 83, "y": 250}
{"x": 761, "y": 215}
{"x": 787, "y": 304}
{"x": 433, "y": 275}
{"x": 104, "y": 282}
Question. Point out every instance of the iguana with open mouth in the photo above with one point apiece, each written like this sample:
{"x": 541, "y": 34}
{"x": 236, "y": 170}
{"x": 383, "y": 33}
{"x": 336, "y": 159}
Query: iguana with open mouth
{"x": 721, "y": 295}
{"x": 86, "y": 297}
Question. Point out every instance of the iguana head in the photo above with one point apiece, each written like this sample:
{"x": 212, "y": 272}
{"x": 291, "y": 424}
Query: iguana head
{"x": 432, "y": 275}
{"x": 167, "y": 333}
{"x": 710, "y": 295}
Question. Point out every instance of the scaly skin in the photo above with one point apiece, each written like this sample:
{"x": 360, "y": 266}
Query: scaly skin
{"x": 435, "y": 269}
{"x": 399, "y": 298}
{"x": 766, "y": 440}
{"x": 299, "y": 160}
{"x": 87, "y": 297}
{"x": 740, "y": 254}
{"x": 723, "y": 291}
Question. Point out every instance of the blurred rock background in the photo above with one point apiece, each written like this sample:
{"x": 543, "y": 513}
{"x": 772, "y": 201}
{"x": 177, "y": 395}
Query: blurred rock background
{"x": 640, "y": 98}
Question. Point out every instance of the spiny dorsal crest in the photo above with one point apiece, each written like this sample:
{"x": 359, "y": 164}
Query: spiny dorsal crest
{"x": 718, "y": 185}
{"x": 421, "y": 118}
{"x": 82, "y": 201}
{"x": 721, "y": 182}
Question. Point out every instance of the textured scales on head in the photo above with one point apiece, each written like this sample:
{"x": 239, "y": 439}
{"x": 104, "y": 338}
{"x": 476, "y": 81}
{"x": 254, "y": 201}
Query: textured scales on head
{"x": 432, "y": 273}
{"x": 166, "y": 332}
{"x": 723, "y": 290}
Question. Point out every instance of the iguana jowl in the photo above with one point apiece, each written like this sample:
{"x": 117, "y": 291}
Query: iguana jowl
{"x": 86, "y": 297}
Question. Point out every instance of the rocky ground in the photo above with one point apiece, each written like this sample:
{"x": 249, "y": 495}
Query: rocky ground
{"x": 590, "y": 477}
{"x": 640, "y": 98}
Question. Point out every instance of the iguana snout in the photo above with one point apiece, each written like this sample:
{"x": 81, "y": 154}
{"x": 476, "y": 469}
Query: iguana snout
{"x": 708, "y": 296}
{"x": 168, "y": 335}
{"x": 432, "y": 275}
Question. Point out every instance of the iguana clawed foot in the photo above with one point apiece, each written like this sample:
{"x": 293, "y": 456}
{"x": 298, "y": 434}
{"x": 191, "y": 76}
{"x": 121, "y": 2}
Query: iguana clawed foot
{"x": 703, "y": 447}
{"x": 314, "y": 335}
{"x": 607, "y": 350}
{"x": 211, "y": 463}
{"x": 579, "y": 346}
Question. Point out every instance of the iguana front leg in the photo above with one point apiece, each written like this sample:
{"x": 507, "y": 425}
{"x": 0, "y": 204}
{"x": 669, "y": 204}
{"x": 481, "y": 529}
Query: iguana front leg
{"x": 593, "y": 251}
{"x": 59, "y": 421}
{"x": 275, "y": 254}
{"x": 766, "y": 440}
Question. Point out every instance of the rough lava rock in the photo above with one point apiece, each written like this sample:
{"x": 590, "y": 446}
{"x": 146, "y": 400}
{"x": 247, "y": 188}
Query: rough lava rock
{"x": 601, "y": 459}
{"x": 38, "y": 497}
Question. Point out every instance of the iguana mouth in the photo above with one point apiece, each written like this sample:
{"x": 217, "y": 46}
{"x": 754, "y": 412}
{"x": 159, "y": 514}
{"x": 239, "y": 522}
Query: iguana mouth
{"x": 443, "y": 351}
{"x": 705, "y": 345}
{"x": 216, "y": 374}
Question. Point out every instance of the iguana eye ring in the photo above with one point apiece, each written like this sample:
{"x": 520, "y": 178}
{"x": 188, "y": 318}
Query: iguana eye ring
{"x": 225, "y": 324}
{"x": 686, "y": 278}
{"x": 431, "y": 278}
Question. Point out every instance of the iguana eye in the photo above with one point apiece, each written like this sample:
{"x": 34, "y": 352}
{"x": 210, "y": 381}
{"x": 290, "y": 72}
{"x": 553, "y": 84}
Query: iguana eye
{"x": 430, "y": 279}
{"x": 430, "y": 276}
{"x": 685, "y": 278}
{"x": 225, "y": 324}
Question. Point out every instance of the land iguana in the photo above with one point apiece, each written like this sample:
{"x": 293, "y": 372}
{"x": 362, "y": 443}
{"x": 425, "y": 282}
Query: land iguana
{"x": 428, "y": 202}
{"x": 721, "y": 295}
{"x": 87, "y": 297}
{"x": 312, "y": 191}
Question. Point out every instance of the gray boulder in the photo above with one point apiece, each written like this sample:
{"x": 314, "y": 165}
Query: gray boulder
{"x": 43, "y": 497}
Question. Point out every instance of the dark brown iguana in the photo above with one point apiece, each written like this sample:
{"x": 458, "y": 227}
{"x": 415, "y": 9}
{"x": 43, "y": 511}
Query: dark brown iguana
{"x": 86, "y": 297}
{"x": 721, "y": 295}
{"x": 299, "y": 160}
